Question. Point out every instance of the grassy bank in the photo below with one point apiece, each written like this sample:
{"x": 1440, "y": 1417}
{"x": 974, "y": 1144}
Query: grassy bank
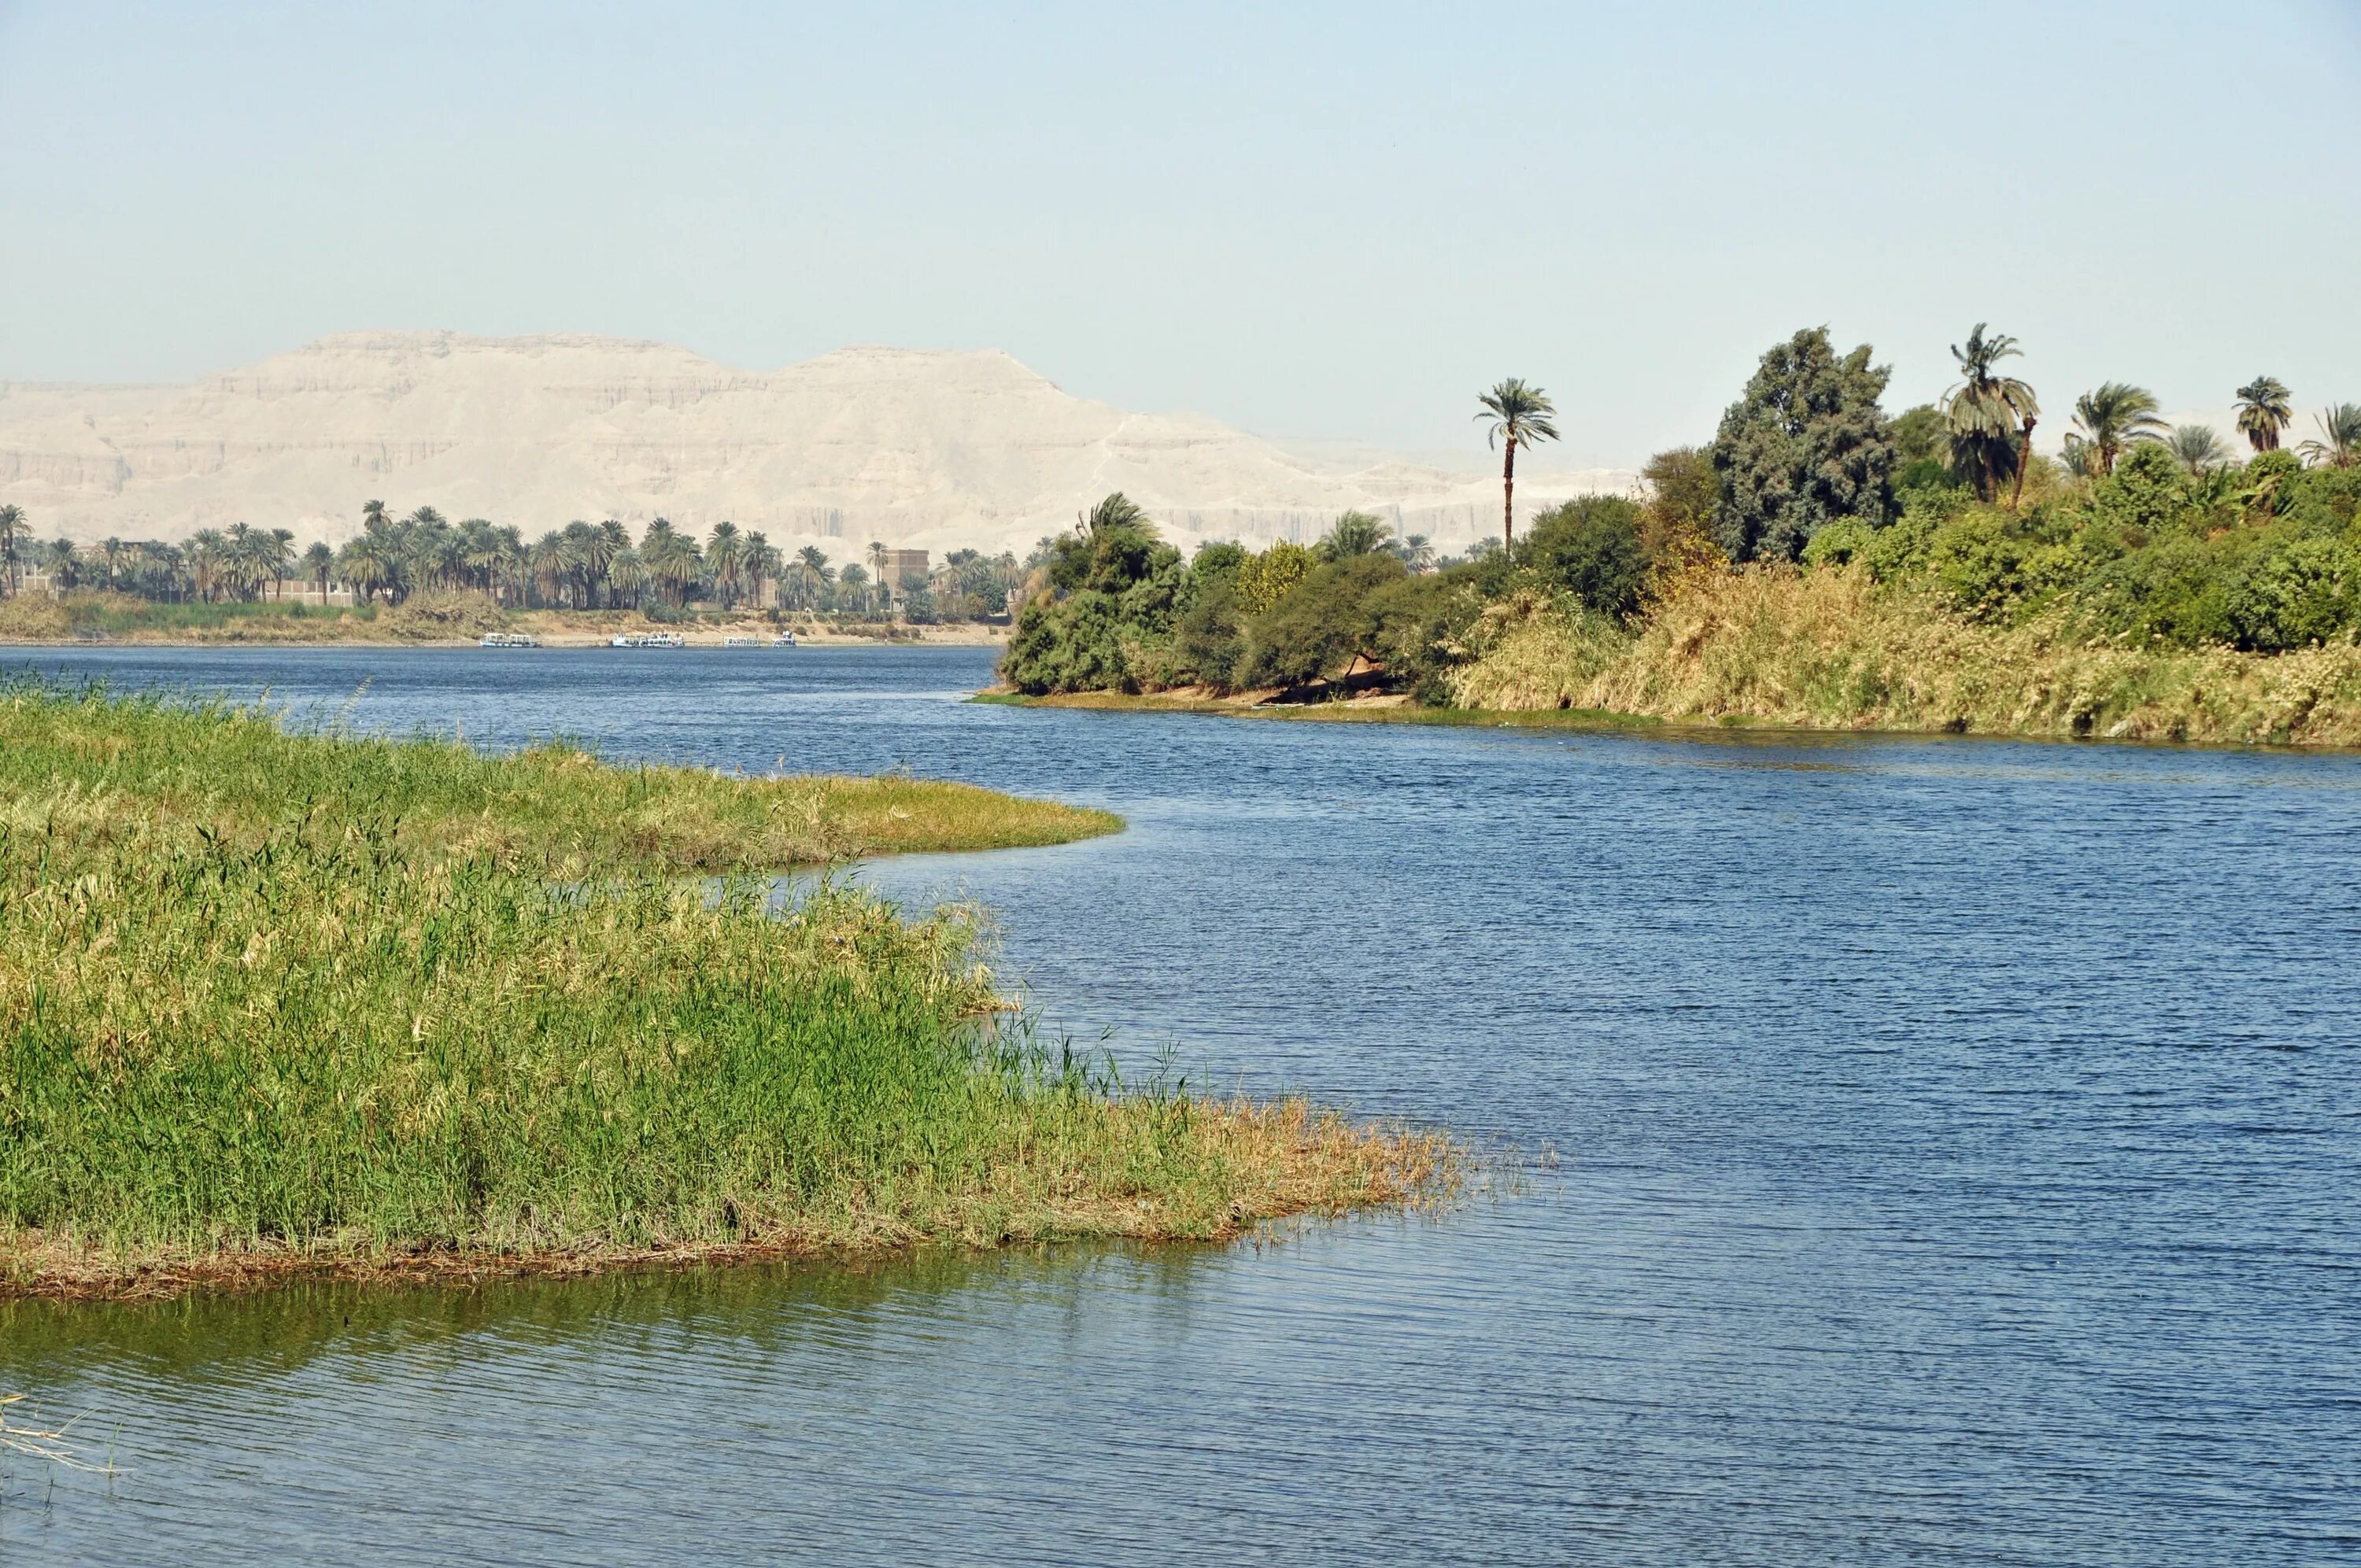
{"x": 273, "y": 1002}
{"x": 1829, "y": 650}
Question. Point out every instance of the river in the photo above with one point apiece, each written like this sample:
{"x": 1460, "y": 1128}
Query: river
{"x": 1956, "y": 1161}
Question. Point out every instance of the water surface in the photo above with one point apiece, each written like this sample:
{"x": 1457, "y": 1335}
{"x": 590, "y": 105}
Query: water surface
{"x": 1962, "y": 1151}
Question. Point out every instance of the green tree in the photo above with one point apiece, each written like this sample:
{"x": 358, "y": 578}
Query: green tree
{"x": 1353, "y": 533}
{"x": 1805, "y": 445}
{"x": 1514, "y": 415}
{"x": 764, "y": 563}
{"x": 319, "y": 560}
{"x": 2339, "y": 443}
{"x": 2199, "y": 448}
{"x": 2266, "y": 407}
{"x": 725, "y": 562}
{"x": 673, "y": 560}
{"x": 2114, "y": 416}
{"x": 1590, "y": 548}
{"x": 12, "y": 529}
{"x": 1990, "y": 417}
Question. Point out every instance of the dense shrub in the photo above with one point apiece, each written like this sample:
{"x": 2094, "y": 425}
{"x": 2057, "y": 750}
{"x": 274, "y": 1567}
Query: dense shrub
{"x": 1590, "y": 549}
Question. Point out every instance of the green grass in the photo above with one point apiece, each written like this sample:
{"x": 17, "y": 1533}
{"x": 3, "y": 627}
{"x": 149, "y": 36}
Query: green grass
{"x": 274, "y": 1002}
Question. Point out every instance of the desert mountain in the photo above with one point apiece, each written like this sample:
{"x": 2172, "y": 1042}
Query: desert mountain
{"x": 927, "y": 449}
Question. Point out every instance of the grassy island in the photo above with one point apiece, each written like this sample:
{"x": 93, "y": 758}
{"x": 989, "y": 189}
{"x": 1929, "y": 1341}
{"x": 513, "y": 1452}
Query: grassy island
{"x": 276, "y": 1003}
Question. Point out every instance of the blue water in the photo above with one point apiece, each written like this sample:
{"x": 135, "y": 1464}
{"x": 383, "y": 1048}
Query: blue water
{"x": 1959, "y": 1162}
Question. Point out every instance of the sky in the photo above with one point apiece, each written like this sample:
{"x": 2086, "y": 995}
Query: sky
{"x": 1309, "y": 220}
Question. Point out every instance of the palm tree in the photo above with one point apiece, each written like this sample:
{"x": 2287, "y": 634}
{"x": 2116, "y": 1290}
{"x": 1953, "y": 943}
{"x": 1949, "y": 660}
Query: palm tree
{"x": 589, "y": 555}
{"x": 59, "y": 560}
{"x": 813, "y": 574}
{"x": 2114, "y": 416}
{"x": 615, "y": 539}
{"x": 1356, "y": 533}
{"x": 207, "y": 549}
{"x": 764, "y": 563}
{"x": 627, "y": 574}
{"x": 1516, "y": 415}
{"x": 482, "y": 554}
{"x": 318, "y": 562}
{"x": 2199, "y": 448}
{"x": 275, "y": 554}
{"x": 2265, "y": 408}
{"x": 2339, "y": 445}
{"x": 1991, "y": 417}
{"x": 111, "y": 550}
{"x": 724, "y": 561}
{"x": 672, "y": 558}
{"x": 12, "y": 525}
{"x": 554, "y": 566}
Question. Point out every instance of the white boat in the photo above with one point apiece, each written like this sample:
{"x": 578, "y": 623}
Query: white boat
{"x": 649, "y": 640}
{"x": 783, "y": 639}
{"x": 742, "y": 643}
{"x": 506, "y": 640}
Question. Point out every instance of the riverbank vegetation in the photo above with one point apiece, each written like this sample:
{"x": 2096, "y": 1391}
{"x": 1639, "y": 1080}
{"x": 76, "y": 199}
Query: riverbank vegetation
{"x": 1817, "y": 563}
{"x": 397, "y": 561}
{"x": 274, "y": 1002}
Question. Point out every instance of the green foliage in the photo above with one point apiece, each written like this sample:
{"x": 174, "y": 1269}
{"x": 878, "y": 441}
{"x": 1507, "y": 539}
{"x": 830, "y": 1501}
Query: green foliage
{"x": 1270, "y": 576}
{"x": 1805, "y": 445}
{"x": 1353, "y": 533}
{"x": 296, "y": 1027}
{"x": 2266, "y": 561}
{"x": 1683, "y": 491}
{"x": 1987, "y": 414}
{"x": 1591, "y": 549}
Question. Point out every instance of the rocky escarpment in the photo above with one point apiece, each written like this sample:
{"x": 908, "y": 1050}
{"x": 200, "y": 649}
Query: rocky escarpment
{"x": 940, "y": 449}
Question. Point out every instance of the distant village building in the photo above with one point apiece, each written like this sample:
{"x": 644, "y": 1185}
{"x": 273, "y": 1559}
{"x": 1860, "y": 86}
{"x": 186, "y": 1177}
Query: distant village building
{"x": 903, "y": 570}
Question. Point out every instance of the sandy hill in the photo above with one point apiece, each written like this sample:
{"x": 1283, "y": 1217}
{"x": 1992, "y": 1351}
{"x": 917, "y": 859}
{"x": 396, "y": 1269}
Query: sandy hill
{"x": 926, "y": 449}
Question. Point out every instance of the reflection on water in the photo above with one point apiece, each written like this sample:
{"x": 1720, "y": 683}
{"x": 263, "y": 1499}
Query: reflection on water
{"x": 1964, "y": 1138}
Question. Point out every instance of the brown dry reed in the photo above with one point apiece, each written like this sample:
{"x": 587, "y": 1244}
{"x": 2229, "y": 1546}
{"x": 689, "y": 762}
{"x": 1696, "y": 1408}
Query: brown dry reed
{"x": 1828, "y": 649}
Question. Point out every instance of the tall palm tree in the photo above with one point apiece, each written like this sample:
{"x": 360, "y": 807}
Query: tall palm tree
{"x": 627, "y": 574}
{"x": 318, "y": 562}
{"x": 2199, "y": 448}
{"x": 813, "y": 575}
{"x": 366, "y": 562}
{"x": 2115, "y": 415}
{"x": 207, "y": 549}
{"x": 58, "y": 559}
{"x": 2339, "y": 445}
{"x": 554, "y": 565}
{"x": 1990, "y": 416}
{"x": 1515, "y": 415}
{"x": 2265, "y": 408}
{"x": 12, "y": 526}
{"x": 671, "y": 557}
{"x": 112, "y": 551}
{"x": 275, "y": 553}
{"x": 724, "y": 561}
{"x": 763, "y": 564}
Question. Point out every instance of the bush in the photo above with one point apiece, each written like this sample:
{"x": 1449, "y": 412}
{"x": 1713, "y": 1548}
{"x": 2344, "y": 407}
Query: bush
{"x": 1590, "y": 549}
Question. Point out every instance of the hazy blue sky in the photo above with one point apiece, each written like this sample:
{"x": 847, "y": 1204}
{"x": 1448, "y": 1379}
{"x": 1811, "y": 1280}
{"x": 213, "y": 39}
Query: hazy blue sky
{"x": 1309, "y": 220}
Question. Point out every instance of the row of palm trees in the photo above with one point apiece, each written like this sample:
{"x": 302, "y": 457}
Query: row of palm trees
{"x": 1991, "y": 418}
{"x": 583, "y": 565}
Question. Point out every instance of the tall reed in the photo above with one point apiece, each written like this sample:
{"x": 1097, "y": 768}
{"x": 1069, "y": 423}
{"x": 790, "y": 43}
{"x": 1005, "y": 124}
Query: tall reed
{"x": 390, "y": 1001}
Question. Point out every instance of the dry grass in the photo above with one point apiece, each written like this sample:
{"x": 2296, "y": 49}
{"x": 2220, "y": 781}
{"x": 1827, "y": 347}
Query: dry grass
{"x": 1829, "y": 650}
